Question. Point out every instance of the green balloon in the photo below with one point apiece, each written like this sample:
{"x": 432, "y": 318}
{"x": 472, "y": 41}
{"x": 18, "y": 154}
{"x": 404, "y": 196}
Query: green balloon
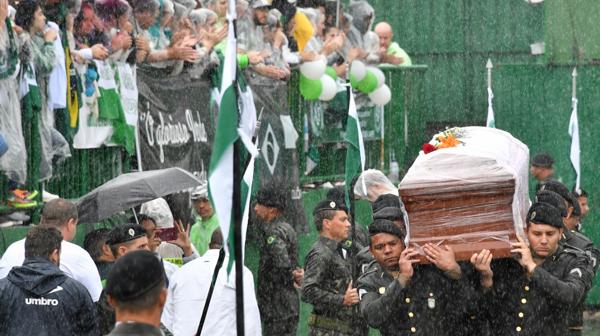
{"x": 353, "y": 81}
{"x": 368, "y": 84}
{"x": 310, "y": 88}
{"x": 330, "y": 71}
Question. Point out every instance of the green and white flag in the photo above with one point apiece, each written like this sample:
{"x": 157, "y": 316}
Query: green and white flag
{"x": 221, "y": 179}
{"x": 355, "y": 152}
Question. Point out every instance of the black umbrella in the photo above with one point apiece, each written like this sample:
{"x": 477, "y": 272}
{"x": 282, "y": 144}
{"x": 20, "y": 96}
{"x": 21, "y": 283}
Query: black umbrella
{"x": 128, "y": 190}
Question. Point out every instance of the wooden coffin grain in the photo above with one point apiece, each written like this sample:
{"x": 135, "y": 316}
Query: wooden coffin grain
{"x": 468, "y": 217}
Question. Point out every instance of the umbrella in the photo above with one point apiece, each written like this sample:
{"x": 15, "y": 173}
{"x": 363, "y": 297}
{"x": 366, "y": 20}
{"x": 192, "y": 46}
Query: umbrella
{"x": 128, "y": 190}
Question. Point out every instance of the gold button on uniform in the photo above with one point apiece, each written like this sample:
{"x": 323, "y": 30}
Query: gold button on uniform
{"x": 518, "y": 329}
{"x": 521, "y": 314}
{"x": 410, "y": 314}
{"x": 407, "y": 300}
{"x": 527, "y": 288}
{"x": 523, "y": 300}
{"x": 413, "y": 329}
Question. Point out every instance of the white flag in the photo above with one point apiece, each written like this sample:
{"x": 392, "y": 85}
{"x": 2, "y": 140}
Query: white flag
{"x": 575, "y": 150}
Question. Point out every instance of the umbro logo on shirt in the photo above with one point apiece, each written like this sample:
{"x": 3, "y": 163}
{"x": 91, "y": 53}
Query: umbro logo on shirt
{"x": 41, "y": 302}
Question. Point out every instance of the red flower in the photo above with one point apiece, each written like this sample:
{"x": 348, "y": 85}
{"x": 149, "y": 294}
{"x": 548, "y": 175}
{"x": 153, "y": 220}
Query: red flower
{"x": 428, "y": 148}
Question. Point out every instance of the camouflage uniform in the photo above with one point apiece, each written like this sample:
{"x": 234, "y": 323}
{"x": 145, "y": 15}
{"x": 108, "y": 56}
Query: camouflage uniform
{"x": 326, "y": 277}
{"x": 277, "y": 297}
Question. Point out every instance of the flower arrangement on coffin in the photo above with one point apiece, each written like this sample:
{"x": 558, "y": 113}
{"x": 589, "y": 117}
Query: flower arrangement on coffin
{"x": 446, "y": 139}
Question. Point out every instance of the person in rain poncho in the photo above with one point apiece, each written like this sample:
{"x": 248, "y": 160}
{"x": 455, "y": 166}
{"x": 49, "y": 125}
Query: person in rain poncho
{"x": 39, "y": 58}
{"x": 182, "y": 250}
{"x": 38, "y": 298}
{"x": 14, "y": 161}
{"x": 253, "y": 40}
{"x": 360, "y": 34}
{"x": 204, "y": 23}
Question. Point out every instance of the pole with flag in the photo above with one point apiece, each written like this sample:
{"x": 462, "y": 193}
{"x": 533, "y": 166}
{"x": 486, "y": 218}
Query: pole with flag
{"x": 491, "y": 122}
{"x": 574, "y": 133}
{"x": 225, "y": 172}
{"x": 355, "y": 164}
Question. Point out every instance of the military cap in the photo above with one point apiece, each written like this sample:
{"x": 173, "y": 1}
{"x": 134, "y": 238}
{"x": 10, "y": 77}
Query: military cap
{"x": 564, "y": 192}
{"x": 543, "y": 213}
{"x": 337, "y": 194}
{"x": 542, "y": 160}
{"x": 385, "y": 226}
{"x": 329, "y": 204}
{"x": 384, "y": 201}
{"x": 133, "y": 275}
{"x": 552, "y": 198}
{"x": 389, "y": 213}
{"x": 271, "y": 196}
{"x": 124, "y": 233}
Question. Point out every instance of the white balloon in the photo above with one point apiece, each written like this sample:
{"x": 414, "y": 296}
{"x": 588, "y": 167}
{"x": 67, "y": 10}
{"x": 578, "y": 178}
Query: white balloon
{"x": 381, "y": 96}
{"x": 358, "y": 70}
{"x": 313, "y": 69}
{"x": 329, "y": 88}
{"x": 379, "y": 74}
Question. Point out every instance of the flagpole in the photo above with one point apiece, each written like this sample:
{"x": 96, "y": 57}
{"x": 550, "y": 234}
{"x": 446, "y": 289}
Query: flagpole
{"x": 237, "y": 204}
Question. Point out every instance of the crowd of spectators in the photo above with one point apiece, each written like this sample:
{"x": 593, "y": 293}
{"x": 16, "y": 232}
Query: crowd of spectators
{"x": 57, "y": 56}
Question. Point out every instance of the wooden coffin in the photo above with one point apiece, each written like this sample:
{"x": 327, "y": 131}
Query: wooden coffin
{"x": 466, "y": 199}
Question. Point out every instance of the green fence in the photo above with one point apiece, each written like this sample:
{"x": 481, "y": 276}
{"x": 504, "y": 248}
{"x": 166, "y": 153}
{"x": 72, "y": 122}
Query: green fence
{"x": 534, "y": 104}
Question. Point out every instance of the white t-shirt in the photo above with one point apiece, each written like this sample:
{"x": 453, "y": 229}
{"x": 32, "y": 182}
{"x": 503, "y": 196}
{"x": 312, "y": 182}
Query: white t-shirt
{"x": 75, "y": 262}
{"x": 188, "y": 289}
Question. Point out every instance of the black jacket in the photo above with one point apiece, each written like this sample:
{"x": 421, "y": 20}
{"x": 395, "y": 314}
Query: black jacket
{"x": 430, "y": 304}
{"x": 537, "y": 305}
{"x": 39, "y": 299}
{"x": 135, "y": 329}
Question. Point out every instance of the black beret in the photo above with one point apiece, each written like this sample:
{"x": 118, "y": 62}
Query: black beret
{"x": 543, "y": 213}
{"x": 542, "y": 160}
{"x": 337, "y": 194}
{"x": 124, "y": 233}
{"x": 133, "y": 275}
{"x": 552, "y": 198}
{"x": 329, "y": 204}
{"x": 389, "y": 213}
{"x": 271, "y": 196}
{"x": 385, "y": 226}
{"x": 564, "y": 192}
{"x": 384, "y": 201}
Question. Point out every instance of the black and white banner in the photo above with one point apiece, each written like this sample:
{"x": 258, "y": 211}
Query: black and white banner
{"x": 175, "y": 125}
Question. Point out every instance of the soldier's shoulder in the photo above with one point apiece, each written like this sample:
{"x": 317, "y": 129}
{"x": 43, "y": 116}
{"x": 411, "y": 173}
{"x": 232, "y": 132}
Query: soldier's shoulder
{"x": 571, "y": 251}
{"x": 371, "y": 270}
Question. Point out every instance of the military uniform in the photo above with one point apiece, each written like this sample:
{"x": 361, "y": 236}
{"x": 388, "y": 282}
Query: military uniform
{"x": 537, "y": 305}
{"x": 579, "y": 240}
{"x": 277, "y": 297}
{"x": 430, "y": 304}
{"x": 327, "y": 273}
